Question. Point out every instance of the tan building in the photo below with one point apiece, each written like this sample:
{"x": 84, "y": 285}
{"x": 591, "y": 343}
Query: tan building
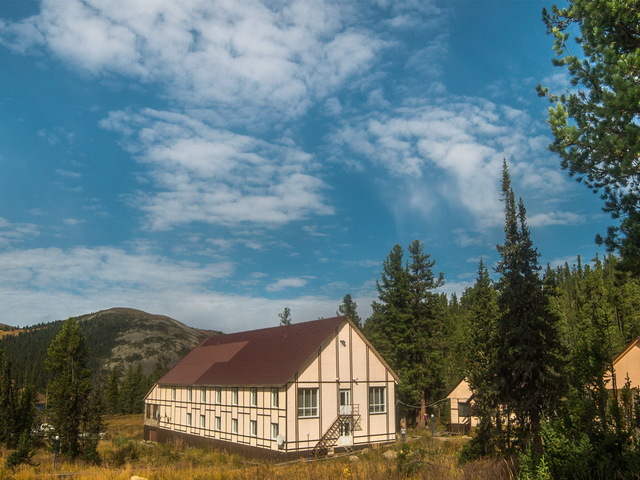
{"x": 461, "y": 406}
{"x": 627, "y": 365}
{"x": 313, "y": 386}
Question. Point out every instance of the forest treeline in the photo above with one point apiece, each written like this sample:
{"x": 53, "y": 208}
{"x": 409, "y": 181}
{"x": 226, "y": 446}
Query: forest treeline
{"x": 536, "y": 344}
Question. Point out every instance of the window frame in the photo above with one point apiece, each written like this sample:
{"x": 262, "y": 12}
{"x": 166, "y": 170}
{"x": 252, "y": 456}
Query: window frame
{"x": 275, "y": 397}
{"x": 234, "y": 425}
{"x": 253, "y": 397}
{"x": 218, "y": 396}
{"x": 217, "y": 424}
{"x": 308, "y": 405}
{"x": 203, "y": 421}
{"x": 190, "y": 394}
{"x": 235, "y": 395}
{"x": 189, "y": 420}
{"x": 275, "y": 431}
{"x": 377, "y": 400}
{"x": 203, "y": 395}
{"x": 253, "y": 428}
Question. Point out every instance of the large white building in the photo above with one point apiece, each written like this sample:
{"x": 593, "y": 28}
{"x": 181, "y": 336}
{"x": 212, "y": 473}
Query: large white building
{"x": 311, "y": 386}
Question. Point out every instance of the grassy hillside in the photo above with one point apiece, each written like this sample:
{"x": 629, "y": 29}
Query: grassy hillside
{"x": 116, "y": 336}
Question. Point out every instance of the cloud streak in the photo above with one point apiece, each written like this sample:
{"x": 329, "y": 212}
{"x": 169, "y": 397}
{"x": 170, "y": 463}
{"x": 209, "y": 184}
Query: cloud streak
{"x": 213, "y": 176}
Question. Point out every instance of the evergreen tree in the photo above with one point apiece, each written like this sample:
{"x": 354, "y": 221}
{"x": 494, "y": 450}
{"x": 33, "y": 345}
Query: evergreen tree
{"x": 23, "y": 453}
{"x": 133, "y": 390}
{"x": 350, "y": 308}
{"x": 285, "y": 316}
{"x": 159, "y": 369}
{"x": 591, "y": 420}
{"x": 112, "y": 393}
{"x": 528, "y": 354}
{"x": 26, "y": 414}
{"x": 388, "y": 326}
{"x": 70, "y": 393}
{"x": 481, "y": 366}
{"x": 595, "y": 124}
{"x": 7, "y": 402}
{"x": 406, "y": 325}
{"x": 425, "y": 362}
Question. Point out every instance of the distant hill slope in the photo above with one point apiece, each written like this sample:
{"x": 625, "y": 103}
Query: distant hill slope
{"x": 118, "y": 336}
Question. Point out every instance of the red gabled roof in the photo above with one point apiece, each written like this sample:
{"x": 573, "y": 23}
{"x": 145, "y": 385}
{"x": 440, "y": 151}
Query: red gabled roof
{"x": 269, "y": 356}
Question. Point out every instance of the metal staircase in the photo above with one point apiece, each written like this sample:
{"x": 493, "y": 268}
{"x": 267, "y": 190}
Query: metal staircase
{"x": 347, "y": 415}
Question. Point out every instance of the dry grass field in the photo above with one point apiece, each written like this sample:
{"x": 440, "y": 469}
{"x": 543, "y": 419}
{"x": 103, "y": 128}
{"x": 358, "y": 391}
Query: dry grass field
{"x": 125, "y": 455}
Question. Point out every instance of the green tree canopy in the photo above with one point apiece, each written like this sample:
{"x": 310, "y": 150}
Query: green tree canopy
{"x": 406, "y": 325}
{"x": 596, "y": 124}
{"x": 528, "y": 353}
{"x": 71, "y": 406}
{"x": 349, "y": 308}
{"x": 285, "y": 316}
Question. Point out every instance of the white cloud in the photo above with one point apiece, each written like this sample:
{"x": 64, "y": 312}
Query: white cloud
{"x": 49, "y": 284}
{"x": 291, "y": 282}
{"x": 203, "y": 174}
{"x": 555, "y": 218}
{"x": 14, "y": 233}
{"x": 245, "y": 56}
{"x": 452, "y": 152}
{"x": 92, "y": 269}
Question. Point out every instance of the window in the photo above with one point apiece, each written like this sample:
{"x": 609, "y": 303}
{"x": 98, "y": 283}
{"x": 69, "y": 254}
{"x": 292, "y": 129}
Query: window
{"x": 253, "y": 428}
{"x": 234, "y": 396}
{"x": 377, "y": 400}
{"x": 275, "y": 398}
{"x": 218, "y": 395}
{"x": 203, "y": 395}
{"x": 275, "y": 430}
{"x": 217, "y": 424}
{"x": 307, "y": 402}
{"x": 253, "y": 397}
{"x": 202, "y": 421}
{"x": 234, "y": 425}
{"x": 173, "y": 393}
{"x": 463, "y": 409}
{"x": 189, "y": 419}
{"x": 189, "y": 394}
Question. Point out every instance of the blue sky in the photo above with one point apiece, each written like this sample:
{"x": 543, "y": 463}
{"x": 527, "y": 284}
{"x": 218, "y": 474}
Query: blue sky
{"x": 217, "y": 161}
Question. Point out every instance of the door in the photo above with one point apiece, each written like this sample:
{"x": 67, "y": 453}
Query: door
{"x": 345, "y": 402}
{"x": 345, "y": 438}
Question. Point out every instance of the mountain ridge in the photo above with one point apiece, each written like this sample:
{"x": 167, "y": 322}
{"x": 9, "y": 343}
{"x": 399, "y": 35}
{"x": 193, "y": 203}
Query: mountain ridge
{"x": 115, "y": 337}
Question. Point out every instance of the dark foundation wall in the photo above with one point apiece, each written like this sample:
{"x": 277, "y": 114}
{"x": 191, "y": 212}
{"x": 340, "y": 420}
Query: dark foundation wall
{"x": 160, "y": 435}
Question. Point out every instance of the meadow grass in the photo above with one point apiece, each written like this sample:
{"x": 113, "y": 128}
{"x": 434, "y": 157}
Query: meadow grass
{"x": 124, "y": 455}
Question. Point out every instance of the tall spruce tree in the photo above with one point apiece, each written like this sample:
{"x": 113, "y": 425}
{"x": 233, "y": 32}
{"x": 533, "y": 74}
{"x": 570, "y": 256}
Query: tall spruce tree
{"x": 349, "y": 308}
{"x": 70, "y": 405}
{"x": 406, "y": 325}
{"x": 388, "y": 325}
{"x": 528, "y": 354}
{"x": 425, "y": 366}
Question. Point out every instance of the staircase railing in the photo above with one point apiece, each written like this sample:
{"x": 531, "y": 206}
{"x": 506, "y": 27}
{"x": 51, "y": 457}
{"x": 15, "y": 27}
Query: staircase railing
{"x": 328, "y": 440}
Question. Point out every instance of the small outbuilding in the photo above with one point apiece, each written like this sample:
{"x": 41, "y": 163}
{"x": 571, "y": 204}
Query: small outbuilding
{"x": 305, "y": 387}
{"x": 626, "y": 365}
{"x": 461, "y": 407}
